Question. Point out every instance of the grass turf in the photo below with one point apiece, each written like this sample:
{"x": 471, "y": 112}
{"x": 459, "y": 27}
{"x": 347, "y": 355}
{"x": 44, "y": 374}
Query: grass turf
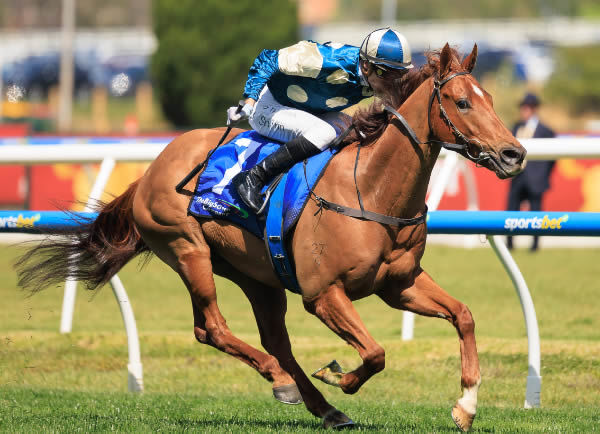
{"x": 55, "y": 382}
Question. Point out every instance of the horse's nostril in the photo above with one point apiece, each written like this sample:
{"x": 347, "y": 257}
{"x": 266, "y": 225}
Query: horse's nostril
{"x": 511, "y": 155}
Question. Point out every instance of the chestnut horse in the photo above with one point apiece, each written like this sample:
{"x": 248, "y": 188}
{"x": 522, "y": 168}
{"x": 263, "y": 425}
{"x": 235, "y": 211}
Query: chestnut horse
{"x": 441, "y": 103}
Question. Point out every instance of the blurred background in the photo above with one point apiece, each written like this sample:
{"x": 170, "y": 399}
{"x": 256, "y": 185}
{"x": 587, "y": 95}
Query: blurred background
{"x": 96, "y": 70}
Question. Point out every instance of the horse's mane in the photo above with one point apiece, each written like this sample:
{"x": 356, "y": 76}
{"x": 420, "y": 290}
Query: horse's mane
{"x": 372, "y": 121}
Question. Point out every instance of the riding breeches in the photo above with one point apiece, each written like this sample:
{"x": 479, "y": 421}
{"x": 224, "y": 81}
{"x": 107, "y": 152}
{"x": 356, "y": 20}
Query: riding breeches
{"x": 283, "y": 123}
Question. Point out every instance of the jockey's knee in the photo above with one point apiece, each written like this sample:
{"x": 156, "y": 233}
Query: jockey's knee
{"x": 321, "y": 136}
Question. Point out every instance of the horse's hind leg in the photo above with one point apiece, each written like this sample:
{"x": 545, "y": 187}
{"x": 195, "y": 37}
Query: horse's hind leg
{"x": 335, "y": 309}
{"x": 195, "y": 269}
{"x": 269, "y": 306}
{"x": 427, "y": 298}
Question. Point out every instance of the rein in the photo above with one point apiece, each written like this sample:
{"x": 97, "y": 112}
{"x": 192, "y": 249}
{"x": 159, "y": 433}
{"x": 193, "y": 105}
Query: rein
{"x": 363, "y": 214}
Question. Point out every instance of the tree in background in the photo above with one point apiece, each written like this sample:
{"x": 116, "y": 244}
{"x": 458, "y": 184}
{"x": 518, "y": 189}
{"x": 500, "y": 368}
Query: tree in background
{"x": 575, "y": 82}
{"x": 206, "y": 48}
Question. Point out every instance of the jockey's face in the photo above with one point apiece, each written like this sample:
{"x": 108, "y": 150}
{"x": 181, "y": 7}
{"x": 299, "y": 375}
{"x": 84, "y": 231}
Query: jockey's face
{"x": 379, "y": 77}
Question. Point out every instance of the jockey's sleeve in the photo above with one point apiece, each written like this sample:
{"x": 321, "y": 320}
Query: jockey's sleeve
{"x": 264, "y": 66}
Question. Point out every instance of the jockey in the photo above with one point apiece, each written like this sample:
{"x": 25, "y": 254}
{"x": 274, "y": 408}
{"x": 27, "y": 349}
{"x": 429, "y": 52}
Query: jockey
{"x": 295, "y": 95}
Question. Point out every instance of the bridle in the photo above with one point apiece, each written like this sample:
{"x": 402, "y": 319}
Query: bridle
{"x": 463, "y": 147}
{"x": 362, "y": 213}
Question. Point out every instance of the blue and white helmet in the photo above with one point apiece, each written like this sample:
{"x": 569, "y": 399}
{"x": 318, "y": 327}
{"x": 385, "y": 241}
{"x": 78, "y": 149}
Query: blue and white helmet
{"x": 387, "y": 47}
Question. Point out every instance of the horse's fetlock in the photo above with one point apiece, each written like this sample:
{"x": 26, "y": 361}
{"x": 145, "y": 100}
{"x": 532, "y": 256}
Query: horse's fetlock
{"x": 270, "y": 367}
{"x": 375, "y": 361}
{"x": 201, "y": 335}
{"x": 470, "y": 381}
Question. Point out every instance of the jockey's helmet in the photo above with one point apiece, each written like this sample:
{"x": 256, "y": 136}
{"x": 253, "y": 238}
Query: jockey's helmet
{"x": 387, "y": 47}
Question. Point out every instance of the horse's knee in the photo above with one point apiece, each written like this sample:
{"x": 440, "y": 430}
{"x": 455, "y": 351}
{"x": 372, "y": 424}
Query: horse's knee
{"x": 464, "y": 321}
{"x": 375, "y": 360}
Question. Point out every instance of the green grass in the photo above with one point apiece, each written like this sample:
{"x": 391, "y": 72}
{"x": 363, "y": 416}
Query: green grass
{"x": 53, "y": 382}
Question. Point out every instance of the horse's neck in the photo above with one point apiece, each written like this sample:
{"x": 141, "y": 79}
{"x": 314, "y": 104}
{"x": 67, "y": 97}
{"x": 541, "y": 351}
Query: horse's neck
{"x": 396, "y": 172}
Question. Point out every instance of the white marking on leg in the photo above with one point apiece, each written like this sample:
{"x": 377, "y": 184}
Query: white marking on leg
{"x": 469, "y": 399}
{"x": 477, "y": 90}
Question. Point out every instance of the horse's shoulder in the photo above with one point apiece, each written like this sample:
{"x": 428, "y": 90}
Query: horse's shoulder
{"x": 344, "y": 159}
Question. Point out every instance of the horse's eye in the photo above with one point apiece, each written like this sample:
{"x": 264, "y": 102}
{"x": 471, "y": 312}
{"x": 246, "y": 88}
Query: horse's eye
{"x": 463, "y": 104}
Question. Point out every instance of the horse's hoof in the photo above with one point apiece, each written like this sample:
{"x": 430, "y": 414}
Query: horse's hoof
{"x": 461, "y": 418}
{"x": 331, "y": 374}
{"x": 288, "y": 394}
{"x": 337, "y": 420}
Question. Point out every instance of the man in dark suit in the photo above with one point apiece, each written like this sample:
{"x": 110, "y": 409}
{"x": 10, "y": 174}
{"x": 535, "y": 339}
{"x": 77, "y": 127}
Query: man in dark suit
{"x": 530, "y": 184}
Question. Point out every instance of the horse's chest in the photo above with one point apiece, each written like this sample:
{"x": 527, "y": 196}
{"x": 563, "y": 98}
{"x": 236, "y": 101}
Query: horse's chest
{"x": 372, "y": 276}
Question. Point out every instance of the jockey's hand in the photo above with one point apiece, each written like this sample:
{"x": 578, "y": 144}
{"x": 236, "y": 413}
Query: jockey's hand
{"x": 239, "y": 113}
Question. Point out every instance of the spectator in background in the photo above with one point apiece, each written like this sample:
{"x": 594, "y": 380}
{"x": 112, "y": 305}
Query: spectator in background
{"x": 530, "y": 184}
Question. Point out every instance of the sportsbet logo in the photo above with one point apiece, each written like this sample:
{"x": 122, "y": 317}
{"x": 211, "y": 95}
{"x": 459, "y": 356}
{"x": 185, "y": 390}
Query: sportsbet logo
{"x": 535, "y": 223}
{"x": 18, "y": 221}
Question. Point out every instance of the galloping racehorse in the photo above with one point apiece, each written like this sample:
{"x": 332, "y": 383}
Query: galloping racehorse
{"x": 440, "y": 104}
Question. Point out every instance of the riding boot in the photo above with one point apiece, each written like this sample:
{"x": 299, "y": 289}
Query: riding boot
{"x": 250, "y": 183}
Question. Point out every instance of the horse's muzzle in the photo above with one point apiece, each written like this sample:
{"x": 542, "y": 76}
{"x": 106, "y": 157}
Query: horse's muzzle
{"x": 510, "y": 161}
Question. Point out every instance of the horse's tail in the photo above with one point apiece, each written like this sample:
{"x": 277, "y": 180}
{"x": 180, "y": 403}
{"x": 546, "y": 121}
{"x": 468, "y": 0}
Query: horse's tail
{"x": 91, "y": 252}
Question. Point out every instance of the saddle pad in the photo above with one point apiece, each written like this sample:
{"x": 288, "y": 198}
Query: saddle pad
{"x": 215, "y": 197}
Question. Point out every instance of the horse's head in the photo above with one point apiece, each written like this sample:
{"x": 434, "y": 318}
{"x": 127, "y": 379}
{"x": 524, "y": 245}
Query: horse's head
{"x": 462, "y": 112}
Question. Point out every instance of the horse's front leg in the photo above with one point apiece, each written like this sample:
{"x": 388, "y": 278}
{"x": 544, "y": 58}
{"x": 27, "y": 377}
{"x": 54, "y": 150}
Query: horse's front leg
{"x": 335, "y": 309}
{"x": 427, "y": 298}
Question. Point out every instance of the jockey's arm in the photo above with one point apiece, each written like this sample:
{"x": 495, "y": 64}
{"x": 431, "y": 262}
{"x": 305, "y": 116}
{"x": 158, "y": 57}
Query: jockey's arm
{"x": 263, "y": 68}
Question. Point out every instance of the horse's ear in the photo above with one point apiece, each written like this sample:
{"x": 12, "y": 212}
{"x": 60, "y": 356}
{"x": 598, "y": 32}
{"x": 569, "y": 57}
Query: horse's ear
{"x": 445, "y": 60}
{"x": 469, "y": 62}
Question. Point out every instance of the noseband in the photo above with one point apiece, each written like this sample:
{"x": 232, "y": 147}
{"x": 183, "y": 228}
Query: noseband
{"x": 464, "y": 146}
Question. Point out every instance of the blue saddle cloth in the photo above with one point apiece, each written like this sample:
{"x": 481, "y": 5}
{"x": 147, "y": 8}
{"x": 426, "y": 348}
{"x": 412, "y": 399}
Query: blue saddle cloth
{"x": 215, "y": 197}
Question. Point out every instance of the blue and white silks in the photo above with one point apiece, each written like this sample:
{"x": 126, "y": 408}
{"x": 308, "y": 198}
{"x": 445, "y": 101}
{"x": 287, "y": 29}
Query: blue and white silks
{"x": 309, "y": 76}
{"x": 215, "y": 197}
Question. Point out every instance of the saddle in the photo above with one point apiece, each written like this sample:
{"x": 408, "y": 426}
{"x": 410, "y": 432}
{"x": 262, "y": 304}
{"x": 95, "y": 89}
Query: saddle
{"x": 287, "y": 195}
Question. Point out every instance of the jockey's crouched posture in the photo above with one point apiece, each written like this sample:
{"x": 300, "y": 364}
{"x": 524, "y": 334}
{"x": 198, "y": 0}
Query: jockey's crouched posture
{"x": 295, "y": 95}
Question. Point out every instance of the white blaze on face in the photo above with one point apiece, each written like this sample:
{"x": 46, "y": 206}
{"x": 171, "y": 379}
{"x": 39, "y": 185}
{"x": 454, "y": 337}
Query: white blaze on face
{"x": 477, "y": 90}
{"x": 469, "y": 399}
